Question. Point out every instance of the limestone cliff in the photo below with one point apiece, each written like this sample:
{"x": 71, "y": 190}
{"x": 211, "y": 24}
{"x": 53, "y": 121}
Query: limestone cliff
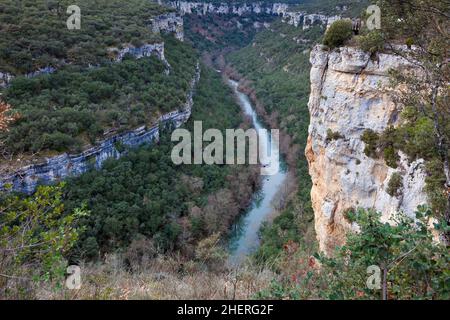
{"x": 169, "y": 23}
{"x": 349, "y": 94}
{"x": 284, "y": 10}
{"x": 165, "y": 23}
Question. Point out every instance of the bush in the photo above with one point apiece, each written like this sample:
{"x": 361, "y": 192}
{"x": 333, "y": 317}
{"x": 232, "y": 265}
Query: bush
{"x": 333, "y": 135}
{"x": 395, "y": 185}
{"x": 338, "y": 33}
{"x": 372, "y": 42}
{"x": 370, "y": 138}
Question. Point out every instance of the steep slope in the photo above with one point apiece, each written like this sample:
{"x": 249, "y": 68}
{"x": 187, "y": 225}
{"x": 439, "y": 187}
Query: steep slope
{"x": 350, "y": 94}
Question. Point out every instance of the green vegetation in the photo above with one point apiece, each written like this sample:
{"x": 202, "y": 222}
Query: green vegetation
{"x": 370, "y": 138}
{"x": 412, "y": 265}
{"x": 144, "y": 195}
{"x": 338, "y": 33}
{"x": 372, "y": 41}
{"x": 333, "y": 135}
{"x": 276, "y": 67}
{"x": 34, "y": 237}
{"x": 346, "y": 8}
{"x": 424, "y": 130}
{"x": 35, "y": 35}
{"x": 74, "y": 107}
{"x": 395, "y": 185}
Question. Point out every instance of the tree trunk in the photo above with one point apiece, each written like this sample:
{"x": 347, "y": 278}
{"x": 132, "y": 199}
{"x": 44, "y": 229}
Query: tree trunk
{"x": 384, "y": 283}
{"x": 442, "y": 149}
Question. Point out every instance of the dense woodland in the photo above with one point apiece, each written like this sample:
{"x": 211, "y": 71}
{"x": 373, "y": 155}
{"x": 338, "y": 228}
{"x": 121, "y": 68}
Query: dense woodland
{"x": 75, "y": 106}
{"x": 143, "y": 222}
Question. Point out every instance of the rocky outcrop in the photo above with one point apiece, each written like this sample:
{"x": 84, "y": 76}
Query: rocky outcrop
{"x": 169, "y": 23}
{"x": 146, "y": 50}
{"x": 289, "y": 16}
{"x": 54, "y": 169}
{"x": 349, "y": 94}
{"x": 6, "y": 78}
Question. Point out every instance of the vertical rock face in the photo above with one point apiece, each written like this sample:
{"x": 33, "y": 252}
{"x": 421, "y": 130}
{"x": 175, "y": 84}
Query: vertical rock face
{"x": 6, "y": 78}
{"x": 146, "y": 50}
{"x": 53, "y": 169}
{"x": 169, "y": 23}
{"x": 295, "y": 18}
{"x": 349, "y": 94}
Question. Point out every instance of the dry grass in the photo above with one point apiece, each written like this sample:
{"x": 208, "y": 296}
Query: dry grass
{"x": 162, "y": 278}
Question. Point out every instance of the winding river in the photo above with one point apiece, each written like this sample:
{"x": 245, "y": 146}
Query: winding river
{"x": 244, "y": 239}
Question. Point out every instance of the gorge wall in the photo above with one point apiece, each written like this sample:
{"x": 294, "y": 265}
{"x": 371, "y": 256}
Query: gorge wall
{"x": 171, "y": 23}
{"x": 290, "y": 16}
{"x": 349, "y": 94}
{"x": 27, "y": 178}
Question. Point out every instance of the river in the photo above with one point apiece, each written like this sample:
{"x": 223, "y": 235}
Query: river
{"x": 244, "y": 239}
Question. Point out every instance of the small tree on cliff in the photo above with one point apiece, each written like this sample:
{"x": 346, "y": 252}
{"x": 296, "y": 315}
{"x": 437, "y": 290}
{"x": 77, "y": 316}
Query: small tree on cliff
{"x": 5, "y": 116}
{"x": 338, "y": 33}
{"x": 411, "y": 264}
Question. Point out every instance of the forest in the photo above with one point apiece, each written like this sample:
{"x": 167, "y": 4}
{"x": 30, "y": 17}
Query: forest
{"x": 145, "y": 228}
{"x": 74, "y": 107}
{"x": 35, "y": 35}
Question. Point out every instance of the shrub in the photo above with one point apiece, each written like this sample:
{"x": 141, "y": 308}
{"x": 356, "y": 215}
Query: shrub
{"x": 338, "y": 33}
{"x": 390, "y": 157}
{"x": 332, "y": 135}
{"x": 372, "y": 42}
{"x": 395, "y": 185}
{"x": 370, "y": 138}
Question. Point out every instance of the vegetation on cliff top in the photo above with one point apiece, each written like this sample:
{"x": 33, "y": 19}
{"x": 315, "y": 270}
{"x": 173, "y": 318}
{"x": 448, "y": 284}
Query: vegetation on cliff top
{"x": 409, "y": 263}
{"x": 35, "y": 35}
{"x": 33, "y": 245}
